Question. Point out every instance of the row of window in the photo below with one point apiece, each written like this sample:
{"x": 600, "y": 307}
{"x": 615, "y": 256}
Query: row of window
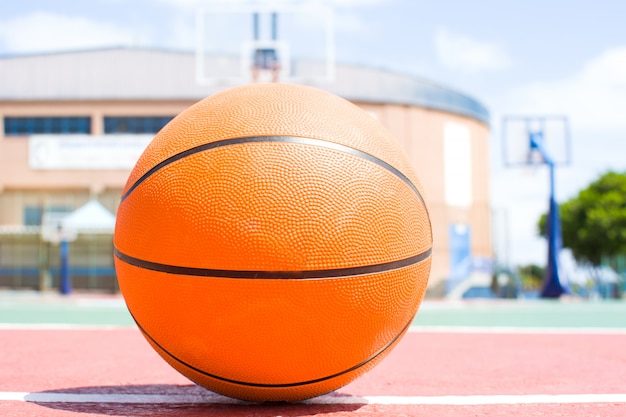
{"x": 18, "y": 126}
{"x": 33, "y": 214}
{"x": 135, "y": 124}
{"x": 21, "y": 126}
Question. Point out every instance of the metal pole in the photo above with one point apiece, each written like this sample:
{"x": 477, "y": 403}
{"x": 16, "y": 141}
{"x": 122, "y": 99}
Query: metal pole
{"x": 255, "y": 26}
{"x": 552, "y": 286}
{"x": 552, "y": 281}
{"x": 274, "y": 26}
{"x": 44, "y": 265}
{"x": 66, "y": 284}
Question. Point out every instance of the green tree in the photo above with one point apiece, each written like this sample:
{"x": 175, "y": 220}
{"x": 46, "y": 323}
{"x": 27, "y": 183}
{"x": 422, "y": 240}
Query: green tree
{"x": 594, "y": 222}
{"x": 531, "y": 276}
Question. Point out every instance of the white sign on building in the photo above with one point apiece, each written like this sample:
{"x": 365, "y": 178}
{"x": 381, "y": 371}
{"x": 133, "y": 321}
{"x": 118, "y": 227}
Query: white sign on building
{"x": 85, "y": 152}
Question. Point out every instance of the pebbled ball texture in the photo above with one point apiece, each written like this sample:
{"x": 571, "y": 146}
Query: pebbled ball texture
{"x": 273, "y": 243}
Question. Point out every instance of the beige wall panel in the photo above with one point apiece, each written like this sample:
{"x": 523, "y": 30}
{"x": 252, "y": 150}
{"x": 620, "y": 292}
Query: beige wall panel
{"x": 419, "y": 132}
{"x": 86, "y": 108}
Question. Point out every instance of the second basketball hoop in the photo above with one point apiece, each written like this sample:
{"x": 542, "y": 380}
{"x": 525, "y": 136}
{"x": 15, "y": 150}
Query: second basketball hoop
{"x": 532, "y": 141}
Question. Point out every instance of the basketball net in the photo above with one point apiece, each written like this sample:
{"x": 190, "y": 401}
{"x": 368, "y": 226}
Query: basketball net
{"x": 266, "y": 75}
{"x": 530, "y": 170}
{"x": 266, "y": 65}
{"x": 534, "y": 161}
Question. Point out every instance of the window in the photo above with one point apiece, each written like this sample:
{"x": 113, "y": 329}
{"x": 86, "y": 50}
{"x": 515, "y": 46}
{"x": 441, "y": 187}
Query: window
{"x": 457, "y": 151}
{"x": 34, "y": 214}
{"x": 136, "y": 125}
{"x": 21, "y": 126}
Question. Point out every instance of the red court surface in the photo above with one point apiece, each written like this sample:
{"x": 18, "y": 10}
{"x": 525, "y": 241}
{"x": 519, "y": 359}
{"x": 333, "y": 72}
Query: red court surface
{"x": 115, "y": 372}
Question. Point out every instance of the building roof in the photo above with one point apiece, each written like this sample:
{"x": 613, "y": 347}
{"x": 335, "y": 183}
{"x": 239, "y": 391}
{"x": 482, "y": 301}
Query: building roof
{"x": 151, "y": 74}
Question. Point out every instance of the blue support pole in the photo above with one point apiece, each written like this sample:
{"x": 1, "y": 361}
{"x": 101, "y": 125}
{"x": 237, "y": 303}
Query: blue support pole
{"x": 274, "y": 26}
{"x": 553, "y": 284}
{"x": 66, "y": 283}
{"x": 255, "y": 26}
{"x": 553, "y": 281}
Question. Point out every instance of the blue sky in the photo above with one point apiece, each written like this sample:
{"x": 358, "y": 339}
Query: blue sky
{"x": 530, "y": 57}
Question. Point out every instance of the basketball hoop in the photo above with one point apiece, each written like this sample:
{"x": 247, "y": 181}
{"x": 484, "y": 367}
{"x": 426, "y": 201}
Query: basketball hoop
{"x": 551, "y": 132}
{"x": 54, "y": 231}
{"x": 228, "y": 53}
{"x": 267, "y": 61}
{"x": 530, "y": 141}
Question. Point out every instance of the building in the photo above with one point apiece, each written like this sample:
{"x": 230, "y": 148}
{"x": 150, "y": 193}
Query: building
{"x": 97, "y": 109}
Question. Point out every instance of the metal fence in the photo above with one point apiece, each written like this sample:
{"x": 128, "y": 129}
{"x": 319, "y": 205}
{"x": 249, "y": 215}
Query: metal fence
{"x": 27, "y": 262}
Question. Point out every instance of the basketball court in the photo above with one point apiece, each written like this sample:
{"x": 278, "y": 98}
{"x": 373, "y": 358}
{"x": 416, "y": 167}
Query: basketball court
{"x": 83, "y": 355}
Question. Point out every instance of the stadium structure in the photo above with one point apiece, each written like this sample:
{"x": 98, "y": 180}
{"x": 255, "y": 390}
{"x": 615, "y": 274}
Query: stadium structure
{"x": 72, "y": 125}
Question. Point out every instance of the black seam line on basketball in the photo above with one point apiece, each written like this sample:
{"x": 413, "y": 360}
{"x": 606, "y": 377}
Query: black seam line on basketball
{"x": 287, "y": 385}
{"x": 302, "y": 274}
{"x": 283, "y": 139}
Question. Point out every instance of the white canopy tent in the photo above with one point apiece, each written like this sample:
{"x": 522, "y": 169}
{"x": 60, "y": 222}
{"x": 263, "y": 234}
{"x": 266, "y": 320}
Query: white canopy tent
{"x": 90, "y": 218}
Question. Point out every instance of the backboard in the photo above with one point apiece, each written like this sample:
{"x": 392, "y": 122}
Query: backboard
{"x": 54, "y": 231}
{"x": 238, "y": 44}
{"x": 552, "y": 131}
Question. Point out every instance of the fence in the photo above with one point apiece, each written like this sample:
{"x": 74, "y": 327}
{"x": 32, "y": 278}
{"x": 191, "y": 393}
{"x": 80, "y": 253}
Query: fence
{"x": 27, "y": 262}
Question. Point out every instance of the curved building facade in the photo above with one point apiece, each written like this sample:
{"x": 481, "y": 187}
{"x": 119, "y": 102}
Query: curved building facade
{"x": 72, "y": 124}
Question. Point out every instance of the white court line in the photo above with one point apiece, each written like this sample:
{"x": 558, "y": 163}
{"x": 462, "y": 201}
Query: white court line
{"x": 517, "y": 330}
{"x": 210, "y": 398}
{"x": 63, "y": 326}
{"x": 412, "y": 329}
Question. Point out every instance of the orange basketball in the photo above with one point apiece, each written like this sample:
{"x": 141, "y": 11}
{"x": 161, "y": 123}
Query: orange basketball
{"x": 272, "y": 242}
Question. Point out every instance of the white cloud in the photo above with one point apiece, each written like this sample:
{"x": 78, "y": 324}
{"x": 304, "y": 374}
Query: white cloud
{"x": 460, "y": 52}
{"x": 47, "y": 32}
{"x": 594, "y": 97}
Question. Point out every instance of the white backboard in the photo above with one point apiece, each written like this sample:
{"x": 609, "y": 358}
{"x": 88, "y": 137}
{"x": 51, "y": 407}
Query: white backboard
{"x": 516, "y": 131}
{"x": 303, "y": 36}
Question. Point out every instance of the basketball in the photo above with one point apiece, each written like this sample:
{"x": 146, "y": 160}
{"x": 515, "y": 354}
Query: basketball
{"x": 272, "y": 242}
